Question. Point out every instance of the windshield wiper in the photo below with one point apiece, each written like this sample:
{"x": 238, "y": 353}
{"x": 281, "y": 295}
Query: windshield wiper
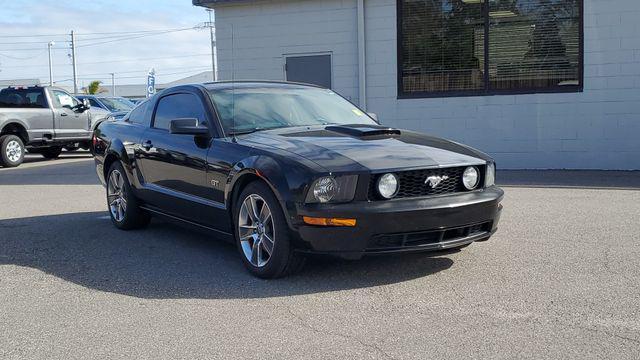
{"x": 252, "y": 130}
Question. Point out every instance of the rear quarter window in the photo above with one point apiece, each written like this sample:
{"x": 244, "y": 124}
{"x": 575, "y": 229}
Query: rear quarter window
{"x": 139, "y": 115}
{"x": 23, "y": 98}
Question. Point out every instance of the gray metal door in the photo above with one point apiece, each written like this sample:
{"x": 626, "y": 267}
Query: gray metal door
{"x": 69, "y": 123}
{"x": 310, "y": 69}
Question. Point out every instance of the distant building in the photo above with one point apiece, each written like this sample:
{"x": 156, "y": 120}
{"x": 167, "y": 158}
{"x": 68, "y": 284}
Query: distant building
{"x": 125, "y": 90}
{"x": 140, "y": 90}
{"x": 537, "y": 84}
{"x": 19, "y": 82}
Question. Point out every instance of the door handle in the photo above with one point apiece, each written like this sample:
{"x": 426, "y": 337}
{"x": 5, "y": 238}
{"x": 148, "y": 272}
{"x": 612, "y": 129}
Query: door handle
{"x": 64, "y": 114}
{"x": 147, "y": 145}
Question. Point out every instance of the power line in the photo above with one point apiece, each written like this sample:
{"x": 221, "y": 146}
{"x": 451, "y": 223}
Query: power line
{"x": 160, "y": 72}
{"x": 28, "y": 42}
{"x": 106, "y": 61}
{"x": 89, "y": 33}
{"x": 28, "y": 49}
{"x": 132, "y": 37}
{"x": 127, "y": 77}
{"x": 129, "y": 32}
{"x": 23, "y": 58}
{"x": 28, "y": 36}
{"x": 146, "y": 70}
{"x": 139, "y": 59}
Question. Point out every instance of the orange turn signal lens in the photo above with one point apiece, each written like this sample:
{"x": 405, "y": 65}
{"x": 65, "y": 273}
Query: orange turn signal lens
{"x": 329, "y": 221}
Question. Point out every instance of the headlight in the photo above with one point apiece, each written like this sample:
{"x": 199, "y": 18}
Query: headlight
{"x": 490, "y": 178}
{"x": 332, "y": 189}
{"x": 325, "y": 189}
{"x": 470, "y": 177}
{"x": 388, "y": 185}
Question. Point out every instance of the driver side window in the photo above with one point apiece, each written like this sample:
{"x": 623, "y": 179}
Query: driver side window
{"x": 63, "y": 100}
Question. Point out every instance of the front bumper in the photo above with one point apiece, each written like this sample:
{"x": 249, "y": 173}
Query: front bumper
{"x": 403, "y": 225}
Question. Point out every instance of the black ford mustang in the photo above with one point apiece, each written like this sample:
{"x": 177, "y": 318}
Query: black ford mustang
{"x": 286, "y": 169}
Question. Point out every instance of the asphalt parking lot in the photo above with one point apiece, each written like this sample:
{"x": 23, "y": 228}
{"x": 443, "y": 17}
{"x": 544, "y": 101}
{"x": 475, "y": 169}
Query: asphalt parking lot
{"x": 561, "y": 279}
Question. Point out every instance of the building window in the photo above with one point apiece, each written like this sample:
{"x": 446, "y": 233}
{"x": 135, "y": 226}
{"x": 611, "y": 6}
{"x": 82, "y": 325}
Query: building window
{"x": 480, "y": 47}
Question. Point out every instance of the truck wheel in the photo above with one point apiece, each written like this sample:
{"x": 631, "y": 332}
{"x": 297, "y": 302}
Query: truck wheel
{"x": 124, "y": 210}
{"x": 51, "y": 152}
{"x": 11, "y": 151}
{"x": 262, "y": 235}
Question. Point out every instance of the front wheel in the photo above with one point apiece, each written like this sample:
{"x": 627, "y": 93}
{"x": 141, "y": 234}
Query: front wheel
{"x": 124, "y": 210}
{"x": 11, "y": 151}
{"x": 262, "y": 235}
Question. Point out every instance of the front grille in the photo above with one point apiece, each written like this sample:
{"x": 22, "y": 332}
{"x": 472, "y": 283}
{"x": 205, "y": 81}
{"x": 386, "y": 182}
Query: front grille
{"x": 387, "y": 241}
{"x": 412, "y": 183}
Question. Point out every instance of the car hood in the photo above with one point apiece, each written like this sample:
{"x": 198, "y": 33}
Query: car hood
{"x": 119, "y": 114}
{"x": 374, "y": 148}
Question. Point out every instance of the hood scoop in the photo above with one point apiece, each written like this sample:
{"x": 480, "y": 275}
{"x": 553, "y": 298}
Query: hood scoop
{"x": 364, "y": 131}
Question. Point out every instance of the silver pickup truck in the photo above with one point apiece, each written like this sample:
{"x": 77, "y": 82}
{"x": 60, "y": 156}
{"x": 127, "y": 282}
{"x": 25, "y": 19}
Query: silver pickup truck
{"x": 42, "y": 120}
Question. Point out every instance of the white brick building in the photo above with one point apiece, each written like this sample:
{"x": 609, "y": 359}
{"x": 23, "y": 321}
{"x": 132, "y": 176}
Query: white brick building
{"x": 553, "y": 94}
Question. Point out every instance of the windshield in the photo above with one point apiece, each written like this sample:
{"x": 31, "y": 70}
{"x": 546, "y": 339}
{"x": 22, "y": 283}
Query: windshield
{"x": 117, "y": 104}
{"x": 260, "y": 108}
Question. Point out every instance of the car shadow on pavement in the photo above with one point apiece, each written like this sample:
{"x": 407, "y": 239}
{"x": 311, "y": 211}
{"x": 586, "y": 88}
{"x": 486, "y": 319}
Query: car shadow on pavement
{"x": 169, "y": 261}
{"x": 37, "y": 158}
{"x": 55, "y": 172}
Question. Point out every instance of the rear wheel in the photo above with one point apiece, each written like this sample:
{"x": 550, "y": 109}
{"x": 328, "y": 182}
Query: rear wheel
{"x": 51, "y": 152}
{"x": 124, "y": 209}
{"x": 11, "y": 151}
{"x": 262, "y": 235}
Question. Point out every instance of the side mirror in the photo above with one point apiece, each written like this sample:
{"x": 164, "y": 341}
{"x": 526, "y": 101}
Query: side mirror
{"x": 86, "y": 103}
{"x": 374, "y": 116}
{"x": 187, "y": 127}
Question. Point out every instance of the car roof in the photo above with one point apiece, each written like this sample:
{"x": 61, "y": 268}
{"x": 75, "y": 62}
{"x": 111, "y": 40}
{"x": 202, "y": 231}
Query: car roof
{"x": 249, "y": 84}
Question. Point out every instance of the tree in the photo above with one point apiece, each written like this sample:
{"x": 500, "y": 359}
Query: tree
{"x": 94, "y": 88}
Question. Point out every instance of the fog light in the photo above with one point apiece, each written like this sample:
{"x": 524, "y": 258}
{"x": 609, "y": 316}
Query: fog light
{"x": 470, "y": 177}
{"x": 388, "y": 185}
{"x": 329, "y": 221}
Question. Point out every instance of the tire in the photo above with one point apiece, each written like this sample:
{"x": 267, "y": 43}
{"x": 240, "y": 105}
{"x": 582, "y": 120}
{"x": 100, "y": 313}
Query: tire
{"x": 124, "y": 208}
{"x": 51, "y": 152}
{"x": 252, "y": 237}
{"x": 11, "y": 151}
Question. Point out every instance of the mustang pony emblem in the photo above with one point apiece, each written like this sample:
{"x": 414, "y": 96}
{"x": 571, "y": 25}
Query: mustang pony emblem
{"x": 434, "y": 180}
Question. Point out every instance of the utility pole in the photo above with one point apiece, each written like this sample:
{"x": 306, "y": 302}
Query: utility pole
{"x": 210, "y": 24}
{"x": 73, "y": 60}
{"x": 113, "y": 84}
{"x": 49, "y": 45}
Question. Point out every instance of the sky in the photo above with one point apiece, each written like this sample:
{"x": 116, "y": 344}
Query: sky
{"x": 173, "y": 54}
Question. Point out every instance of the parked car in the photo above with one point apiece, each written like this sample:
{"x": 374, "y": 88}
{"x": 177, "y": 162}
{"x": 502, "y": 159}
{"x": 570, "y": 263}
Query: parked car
{"x": 118, "y": 107}
{"x": 137, "y": 100}
{"x": 42, "y": 120}
{"x": 285, "y": 170}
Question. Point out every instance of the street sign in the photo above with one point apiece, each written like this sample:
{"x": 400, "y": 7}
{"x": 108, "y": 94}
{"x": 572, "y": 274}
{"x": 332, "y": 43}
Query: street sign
{"x": 151, "y": 83}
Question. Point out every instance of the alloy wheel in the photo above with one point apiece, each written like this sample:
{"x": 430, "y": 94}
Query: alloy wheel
{"x": 14, "y": 151}
{"x": 115, "y": 196}
{"x": 256, "y": 230}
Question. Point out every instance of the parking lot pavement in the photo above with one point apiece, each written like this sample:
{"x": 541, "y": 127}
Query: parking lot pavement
{"x": 559, "y": 280}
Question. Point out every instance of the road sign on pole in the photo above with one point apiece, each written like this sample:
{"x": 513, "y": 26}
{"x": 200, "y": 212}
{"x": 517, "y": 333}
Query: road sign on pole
{"x": 151, "y": 83}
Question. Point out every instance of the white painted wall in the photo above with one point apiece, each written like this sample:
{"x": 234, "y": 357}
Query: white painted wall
{"x": 596, "y": 129}
{"x": 264, "y": 31}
